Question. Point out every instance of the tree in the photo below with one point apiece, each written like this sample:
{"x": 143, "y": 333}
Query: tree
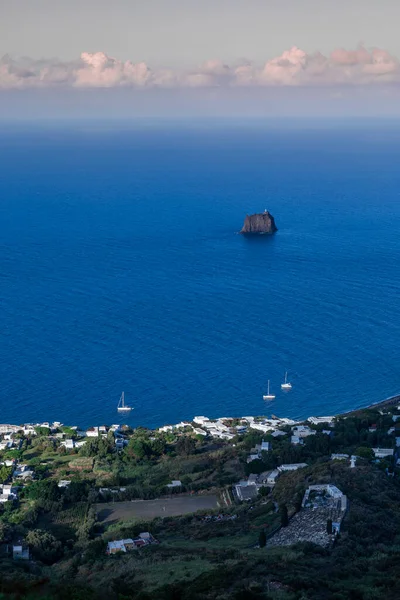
{"x": 329, "y": 529}
{"x": 5, "y": 473}
{"x": 43, "y": 431}
{"x": 365, "y": 452}
{"x": 44, "y": 545}
{"x": 284, "y": 515}
{"x": 139, "y": 447}
{"x": 185, "y": 445}
{"x": 5, "y": 532}
{"x": 262, "y": 539}
{"x": 45, "y": 490}
{"x": 69, "y": 432}
{"x": 96, "y": 447}
{"x": 158, "y": 447}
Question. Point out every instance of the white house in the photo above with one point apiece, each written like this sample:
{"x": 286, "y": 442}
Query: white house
{"x": 6, "y": 428}
{"x": 92, "y": 432}
{"x": 383, "y": 452}
{"x": 166, "y": 428}
{"x": 340, "y": 456}
{"x": 303, "y": 431}
{"x": 68, "y": 444}
{"x": 199, "y": 431}
{"x": 64, "y": 483}
{"x": 246, "y": 492}
{"x": 184, "y": 424}
{"x": 201, "y": 420}
{"x": 272, "y": 477}
{"x": 278, "y": 433}
{"x": 261, "y": 427}
{"x": 292, "y": 467}
{"x": 320, "y": 420}
{"x": 175, "y": 483}
{"x": 117, "y": 546}
{"x": 296, "y": 440}
{"x": 7, "y": 493}
{"x": 20, "y": 552}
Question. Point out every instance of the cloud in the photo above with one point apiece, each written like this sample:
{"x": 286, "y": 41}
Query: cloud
{"x": 293, "y": 67}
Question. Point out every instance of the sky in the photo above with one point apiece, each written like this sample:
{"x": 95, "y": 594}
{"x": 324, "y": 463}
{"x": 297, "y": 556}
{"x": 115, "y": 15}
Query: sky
{"x": 201, "y": 57}
{"x": 187, "y": 32}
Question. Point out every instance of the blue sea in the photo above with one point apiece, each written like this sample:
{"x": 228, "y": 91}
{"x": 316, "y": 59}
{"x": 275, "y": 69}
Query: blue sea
{"x": 121, "y": 268}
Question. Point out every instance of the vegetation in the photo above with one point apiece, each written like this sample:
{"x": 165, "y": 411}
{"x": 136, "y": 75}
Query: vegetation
{"x": 200, "y": 556}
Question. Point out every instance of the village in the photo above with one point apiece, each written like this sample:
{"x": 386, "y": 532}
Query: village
{"x": 323, "y": 506}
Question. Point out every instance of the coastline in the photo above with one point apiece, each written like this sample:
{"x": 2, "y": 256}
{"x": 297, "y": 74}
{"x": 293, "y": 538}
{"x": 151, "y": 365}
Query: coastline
{"x": 260, "y": 422}
{"x": 375, "y": 405}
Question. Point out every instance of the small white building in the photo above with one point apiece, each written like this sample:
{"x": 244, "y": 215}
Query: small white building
{"x": 117, "y": 546}
{"x": 183, "y": 425}
{"x": 92, "y": 432}
{"x": 68, "y": 444}
{"x": 175, "y": 483}
{"x": 261, "y": 427}
{"x": 296, "y": 440}
{"x": 199, "y": 431}
{"x": 383, "y": 452}
{"x": 23, "y": 472}
{"x": 278, "y": 433}
{"x": 292, "y": 467}
{"x": 166, "y": 429}
{"x": 340, "y": 456}
{"x": 20, "y": 552}
{"x": 246, "y": 492}
{"x": 64, "y": 483}
{"x": 201, "y": 420}
{"x": 321, "y": 420}
{"x": 272, "y": 477}
{"x": 303, "y": 431}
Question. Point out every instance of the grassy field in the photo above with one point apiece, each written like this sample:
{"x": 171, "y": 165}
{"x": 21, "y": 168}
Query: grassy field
{"x": 150, "y": 509}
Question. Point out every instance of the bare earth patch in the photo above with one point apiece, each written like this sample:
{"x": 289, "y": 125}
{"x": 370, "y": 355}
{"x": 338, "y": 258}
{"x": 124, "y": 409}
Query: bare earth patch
{"x": 150, "y": 509}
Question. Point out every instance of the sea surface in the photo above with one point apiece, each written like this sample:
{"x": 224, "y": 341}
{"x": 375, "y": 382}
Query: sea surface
{"x": 121, "y": 269}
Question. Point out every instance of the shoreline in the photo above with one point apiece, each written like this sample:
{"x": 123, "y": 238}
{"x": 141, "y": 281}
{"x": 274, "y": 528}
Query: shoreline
{"x": 169, "y": 427}
{"x": 380, "y": 404}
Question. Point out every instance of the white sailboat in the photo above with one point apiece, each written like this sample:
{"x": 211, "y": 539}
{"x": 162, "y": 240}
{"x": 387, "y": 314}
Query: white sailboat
{"x": 122, "y": 407}
{"x": 286, "y": 385}
{"x": 268, "y": 396}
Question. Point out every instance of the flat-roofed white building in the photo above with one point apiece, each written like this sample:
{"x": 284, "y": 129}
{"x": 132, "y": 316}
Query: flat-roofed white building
{"x": 383, "y": 452}
{"x": 292, "y": 467}
{"x": 321, "y": 420}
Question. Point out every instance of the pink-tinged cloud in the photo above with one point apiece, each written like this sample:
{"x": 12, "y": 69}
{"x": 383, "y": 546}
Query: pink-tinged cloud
{"x": 293, "y": 67}
{"x": 285, "y": 69}
{"x": 340, "y": 56}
